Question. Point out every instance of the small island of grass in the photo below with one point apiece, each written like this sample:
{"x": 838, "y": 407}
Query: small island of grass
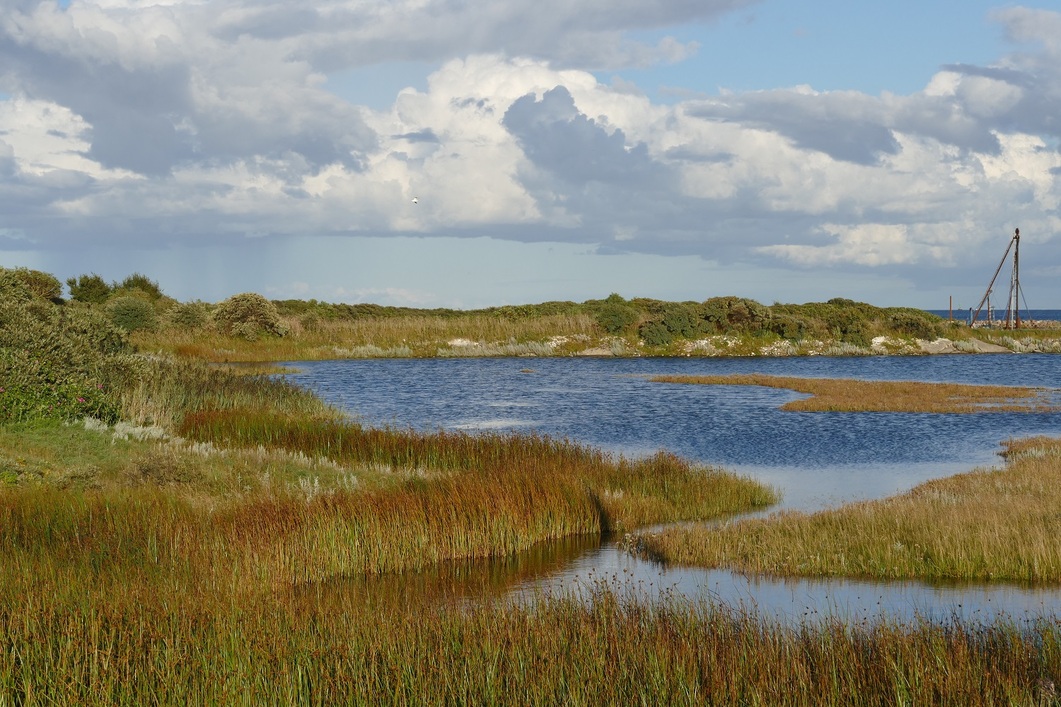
{"x": 849, "y": 395}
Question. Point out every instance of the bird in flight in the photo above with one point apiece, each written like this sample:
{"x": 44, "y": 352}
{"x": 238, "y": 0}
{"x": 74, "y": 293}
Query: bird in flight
{"x": 415, "y": 200}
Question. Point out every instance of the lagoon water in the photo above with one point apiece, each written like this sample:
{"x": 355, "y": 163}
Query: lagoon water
{"x": 816, "y": 460}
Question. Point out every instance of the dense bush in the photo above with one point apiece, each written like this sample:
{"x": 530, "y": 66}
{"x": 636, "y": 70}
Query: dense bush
{"x": 615, "y": 316}
{"x": 793, "y": 327}
{"x": 735, "y": 314}
{"x": 139, "y": 283}
{"x": 132, "y": 313}
{"x": 248, "y": 316}
{"x": 57, "y": 361}
{"x": 40, "y": 284}
{"x": 187, "y": 315}
{"x": 655, "y": 333}
{"x": 88, "y": 288}
{"x": 912, "y": 322}
{"x": 683, "y": 320}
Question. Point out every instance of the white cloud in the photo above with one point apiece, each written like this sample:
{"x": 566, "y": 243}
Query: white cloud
{"x": 194, "y": 121}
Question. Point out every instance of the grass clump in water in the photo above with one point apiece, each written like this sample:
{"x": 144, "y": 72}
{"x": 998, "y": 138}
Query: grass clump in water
{"x": 849, "y": 395}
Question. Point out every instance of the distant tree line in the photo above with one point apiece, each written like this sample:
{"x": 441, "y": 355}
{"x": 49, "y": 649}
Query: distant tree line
{"x": 138, "y": 303}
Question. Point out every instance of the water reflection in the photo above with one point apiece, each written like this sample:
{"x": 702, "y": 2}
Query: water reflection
{"x": 457, "y": 581}
{"x": 815, "y": 459}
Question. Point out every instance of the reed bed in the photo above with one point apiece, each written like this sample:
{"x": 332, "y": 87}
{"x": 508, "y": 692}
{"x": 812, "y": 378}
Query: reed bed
{"x": 848, "y": 395}
{"x": 986, "y": 525}
{"x": 205, "y": 650}
{"x": 454, "y": 495}
{"x": 166, "y": 389}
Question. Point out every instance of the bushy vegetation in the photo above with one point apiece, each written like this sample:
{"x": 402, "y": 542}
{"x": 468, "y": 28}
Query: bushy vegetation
{"x": 248, "y": 316}
{"x": 132, "y": 313}
{"x": 615, "y": 315}
{"x": 839, "y": 320}
{"x": 57, "y": 361}
{"x": 88, "y": 288}
{"x": 41, "y": 284}
{"x": 250, "y": 327}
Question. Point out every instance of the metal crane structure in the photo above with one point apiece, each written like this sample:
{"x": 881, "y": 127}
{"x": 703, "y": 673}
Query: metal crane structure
{"x": 1012, "y": 319}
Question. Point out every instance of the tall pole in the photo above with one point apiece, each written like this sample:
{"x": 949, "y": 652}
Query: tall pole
{"x": 987, "y": 295}
{"x": 1016, "y": 278}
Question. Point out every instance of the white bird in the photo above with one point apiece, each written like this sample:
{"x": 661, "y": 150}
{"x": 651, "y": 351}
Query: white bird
{"x": 415, "y": 200}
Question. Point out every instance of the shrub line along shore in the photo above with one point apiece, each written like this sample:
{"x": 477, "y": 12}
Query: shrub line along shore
{"x": 172, "y": 529}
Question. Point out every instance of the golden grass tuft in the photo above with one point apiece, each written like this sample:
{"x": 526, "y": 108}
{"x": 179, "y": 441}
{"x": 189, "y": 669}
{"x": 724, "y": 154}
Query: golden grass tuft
{"x": 849, "y": 395}
{"x": 988, "y": 524}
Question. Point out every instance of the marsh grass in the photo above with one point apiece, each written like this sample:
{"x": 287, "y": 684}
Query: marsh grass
{"x": 167, "y": 388}
{"x": 989, "y": 524}
{"x": 563, "y": 651}
{"x": 453, "y": 495}
{"x": 848, "y": 395}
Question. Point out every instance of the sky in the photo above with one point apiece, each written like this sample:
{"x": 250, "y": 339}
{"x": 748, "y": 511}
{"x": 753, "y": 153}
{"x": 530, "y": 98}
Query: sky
{"x": 467, "y": 153}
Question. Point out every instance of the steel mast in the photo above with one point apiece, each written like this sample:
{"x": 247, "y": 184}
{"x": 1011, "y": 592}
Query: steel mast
{"x": 1012, "y": 302}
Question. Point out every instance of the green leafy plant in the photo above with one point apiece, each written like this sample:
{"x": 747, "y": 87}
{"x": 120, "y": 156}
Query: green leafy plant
{"x": 615, "y": 316}
{"x": 187, "y": 315}
{"x": 132, "y": 313}
{"x": 655, "y": 333}
{"x": 248, "y": 316}
{"x": 40, "y": 284}
{"x": 88, "y": 288}
{"x": 56, "y": 361}
{"x": 138, "y": 282}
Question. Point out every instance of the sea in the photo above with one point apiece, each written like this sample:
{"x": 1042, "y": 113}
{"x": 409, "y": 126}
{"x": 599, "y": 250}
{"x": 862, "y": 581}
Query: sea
{"x": 966, "y": 315}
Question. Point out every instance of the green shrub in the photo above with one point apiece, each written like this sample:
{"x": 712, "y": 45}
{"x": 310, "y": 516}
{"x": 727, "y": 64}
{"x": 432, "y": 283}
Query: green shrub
{"x": 248, "y": 316}
{"x": 138, "y": 282}
{"x": 40, "y": 284}
{"x": 791, "y": 327}
{"x": 911, "y": 322}
{"x": 616, "y": 316}
{"x": 735, "y": 314}
{"x": 57, "y": 362}
{"x": 88, "y": 288}
{"x": 187, "y": 315}
{"x": 132, "y": 313}
{"x": 655, "y": 333}
{"x": 13, "y": 288}
{"x": 683, "y": 320}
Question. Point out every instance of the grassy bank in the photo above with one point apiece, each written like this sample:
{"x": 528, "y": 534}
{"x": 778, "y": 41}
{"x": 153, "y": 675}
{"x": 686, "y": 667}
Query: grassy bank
{"x": 990, "y": 524}
{"x": 847, "y": 395}
{"x": 561, "y": 652}
{"x": 251, "y": 503}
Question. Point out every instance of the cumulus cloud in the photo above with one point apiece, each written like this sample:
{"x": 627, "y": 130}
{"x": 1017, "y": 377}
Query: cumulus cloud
{"x": 192, "y": 121}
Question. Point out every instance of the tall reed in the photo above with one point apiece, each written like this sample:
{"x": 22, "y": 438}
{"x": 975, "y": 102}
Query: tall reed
{"x": 455, "y": 496}
{"x": 561, "y": 651}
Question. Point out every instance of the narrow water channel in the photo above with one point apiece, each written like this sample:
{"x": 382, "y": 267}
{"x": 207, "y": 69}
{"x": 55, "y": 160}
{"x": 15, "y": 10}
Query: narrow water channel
{"x": 816, "y": 460}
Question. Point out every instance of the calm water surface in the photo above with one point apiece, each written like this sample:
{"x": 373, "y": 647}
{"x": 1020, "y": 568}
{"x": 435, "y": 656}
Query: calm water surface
{"x": 815, "y": 459}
